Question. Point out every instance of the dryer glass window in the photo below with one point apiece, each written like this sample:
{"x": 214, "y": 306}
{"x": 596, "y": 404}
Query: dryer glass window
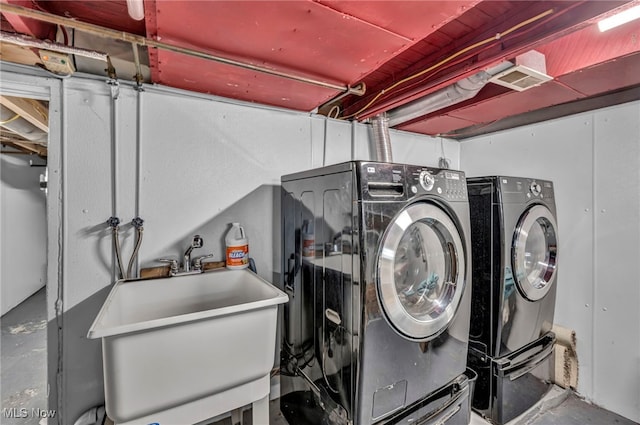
{"x": 535, "y": 252}
{"x": 425, "y": 269}
{"x": 421, "y": 271}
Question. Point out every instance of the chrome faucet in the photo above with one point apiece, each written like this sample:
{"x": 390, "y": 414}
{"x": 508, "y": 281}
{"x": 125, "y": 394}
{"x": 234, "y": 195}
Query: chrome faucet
{"x": 188, "y": 266}
{"x": 197, "y": 242}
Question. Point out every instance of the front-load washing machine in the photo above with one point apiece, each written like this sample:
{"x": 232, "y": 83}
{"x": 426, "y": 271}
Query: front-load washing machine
{"x": 515, "y": 259}
{"x": 376, "y": 264}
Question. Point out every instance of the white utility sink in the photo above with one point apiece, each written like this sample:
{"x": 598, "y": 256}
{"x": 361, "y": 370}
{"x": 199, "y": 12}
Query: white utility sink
{"x": 187, "y": 348}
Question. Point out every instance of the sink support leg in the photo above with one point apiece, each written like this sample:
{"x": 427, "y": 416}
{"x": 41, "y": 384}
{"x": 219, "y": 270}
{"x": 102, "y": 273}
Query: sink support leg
{"x": 261, "y": 411}
{"x": 236, "y": 416}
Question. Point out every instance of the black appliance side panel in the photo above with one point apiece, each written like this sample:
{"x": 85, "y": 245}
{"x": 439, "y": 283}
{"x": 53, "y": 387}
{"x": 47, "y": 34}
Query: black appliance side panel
{"x": 480, "y": 210}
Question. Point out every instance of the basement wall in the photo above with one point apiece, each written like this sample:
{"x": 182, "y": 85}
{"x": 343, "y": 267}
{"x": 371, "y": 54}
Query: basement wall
{"x": 594, "y": 161}
{"x": 187, "y": 164}
{"x": 23, "y": 235}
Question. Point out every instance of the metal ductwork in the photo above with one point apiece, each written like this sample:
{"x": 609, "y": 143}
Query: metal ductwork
{"x": 381, "y": 138}
{"x": 450, "y": 95}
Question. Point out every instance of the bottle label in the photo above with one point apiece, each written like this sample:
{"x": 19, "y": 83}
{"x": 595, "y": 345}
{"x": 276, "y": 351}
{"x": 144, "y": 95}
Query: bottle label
{"x": 308, "y": 247}
{"x": 238, "y": 256}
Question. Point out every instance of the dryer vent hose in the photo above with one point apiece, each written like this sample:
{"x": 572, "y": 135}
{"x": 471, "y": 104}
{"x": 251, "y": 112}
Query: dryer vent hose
{"x": 381, "y": 138}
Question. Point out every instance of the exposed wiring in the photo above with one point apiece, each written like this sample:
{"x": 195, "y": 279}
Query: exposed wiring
{"x": 459, "y": 60}
{"x": 65, "y": 35}
{"x": 443, "y": 162}
{"x": 335, "y": 108}
{"x": 324, "y": 359}
{"x": 13, "y": 118}
{"x": 498, "y": 36}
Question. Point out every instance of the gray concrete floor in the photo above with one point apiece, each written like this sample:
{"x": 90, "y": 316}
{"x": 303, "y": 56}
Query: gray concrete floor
{"x": 23, "y": 347}
{"x": 569, "y": 409}
{"x": 24, "y": 370}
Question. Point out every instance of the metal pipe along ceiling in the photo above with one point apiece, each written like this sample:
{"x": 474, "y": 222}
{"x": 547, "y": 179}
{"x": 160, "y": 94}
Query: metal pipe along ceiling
{"x": 455, "y": 93}
{"x": 450, "y": 95}
{"x": 357, "y": 89}
{"x": 23, "y": 40}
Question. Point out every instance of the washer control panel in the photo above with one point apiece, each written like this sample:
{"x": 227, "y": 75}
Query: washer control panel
{"x": 449, "y": 184}
{"x": 426, "y": 180}
{"x": 517, "y": 189}
{"x": 535, "y": 188}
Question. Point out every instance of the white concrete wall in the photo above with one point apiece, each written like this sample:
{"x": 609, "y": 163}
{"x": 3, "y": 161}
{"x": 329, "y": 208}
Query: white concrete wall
{"x": 594, "y": 161}
{"x": 23, "y": 235}
{"x": 187, "y": 164}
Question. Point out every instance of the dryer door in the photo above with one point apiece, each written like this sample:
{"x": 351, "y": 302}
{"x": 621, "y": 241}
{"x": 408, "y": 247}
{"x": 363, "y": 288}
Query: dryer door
{"x": 421, "y": 271}
{"x": 534, "y": 253}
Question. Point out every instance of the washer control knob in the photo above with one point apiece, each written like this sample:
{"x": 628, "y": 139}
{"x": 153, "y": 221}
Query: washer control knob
{"x": 535, "y": 188}
{"x": 427, "y": 180}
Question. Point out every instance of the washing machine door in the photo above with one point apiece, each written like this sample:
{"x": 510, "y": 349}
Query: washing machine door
{"x": 534, "y": 253}
{"x": 421, "y": 271}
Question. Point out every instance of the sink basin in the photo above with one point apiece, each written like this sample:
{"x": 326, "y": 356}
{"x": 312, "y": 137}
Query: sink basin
{"x": 177, "y": 349}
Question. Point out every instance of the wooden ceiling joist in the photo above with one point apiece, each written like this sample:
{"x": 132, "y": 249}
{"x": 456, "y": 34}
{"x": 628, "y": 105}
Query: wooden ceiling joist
{"x": 7, "y": 138}
{"x": 30, "y": 109}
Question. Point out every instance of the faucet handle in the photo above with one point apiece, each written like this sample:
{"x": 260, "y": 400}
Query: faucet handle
{"x": 197, "y": 242}
{"x": 173, "y": 264}
{"x": 197, "y": 262}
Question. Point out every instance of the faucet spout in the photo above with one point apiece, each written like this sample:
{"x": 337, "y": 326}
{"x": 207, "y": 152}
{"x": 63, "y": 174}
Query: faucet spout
{"x": 197, "y": 242}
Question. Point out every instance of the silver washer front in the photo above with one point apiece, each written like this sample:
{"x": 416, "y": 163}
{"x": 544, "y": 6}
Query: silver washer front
{"x": 421, "y": 271}
{"x": 535, "y": 252}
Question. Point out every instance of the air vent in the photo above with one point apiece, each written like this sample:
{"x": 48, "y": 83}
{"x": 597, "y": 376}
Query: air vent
{"x": 530, "y": 70}
{"x": 520, "y": 78}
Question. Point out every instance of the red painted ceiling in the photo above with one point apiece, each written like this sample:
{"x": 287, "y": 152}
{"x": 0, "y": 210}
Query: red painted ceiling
{"x": 401, "y": 50}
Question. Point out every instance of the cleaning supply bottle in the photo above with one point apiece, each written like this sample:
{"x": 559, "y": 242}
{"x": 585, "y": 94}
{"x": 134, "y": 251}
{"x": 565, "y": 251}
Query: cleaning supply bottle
{"x": 308, "y": 239}
{"x": 237, "y": 248}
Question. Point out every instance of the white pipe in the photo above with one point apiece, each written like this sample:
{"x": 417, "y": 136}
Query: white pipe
{"x": 358, "y": 89}
{"x": 136, "y": 9}
{"x": 23, "y": 40}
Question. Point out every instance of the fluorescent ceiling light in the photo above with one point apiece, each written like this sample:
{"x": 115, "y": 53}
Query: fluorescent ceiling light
{"x": 618, "y": 19}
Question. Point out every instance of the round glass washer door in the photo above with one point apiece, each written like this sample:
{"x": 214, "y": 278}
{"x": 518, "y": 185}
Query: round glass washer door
{"x": 421, "y": 271}
{"x": 534, "y": 252}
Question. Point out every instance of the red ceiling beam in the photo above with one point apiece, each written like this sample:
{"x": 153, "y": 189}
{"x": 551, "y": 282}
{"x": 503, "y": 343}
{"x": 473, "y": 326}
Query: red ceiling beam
{"x": 588, "y": 47}
{"x": 32, "y": 27}
{"x": 549, "y": 28}
{"x": 568, "y": 56}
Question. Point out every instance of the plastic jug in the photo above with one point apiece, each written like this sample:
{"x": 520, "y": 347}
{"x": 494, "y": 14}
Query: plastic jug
{"x": 237, "y": 248}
